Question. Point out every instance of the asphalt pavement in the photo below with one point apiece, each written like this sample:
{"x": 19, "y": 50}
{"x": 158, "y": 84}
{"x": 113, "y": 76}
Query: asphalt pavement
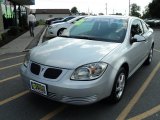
{"x": 141, "y": 99}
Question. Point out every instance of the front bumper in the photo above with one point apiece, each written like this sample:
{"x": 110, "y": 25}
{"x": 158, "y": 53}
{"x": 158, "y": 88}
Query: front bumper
{"x": 73, "y": 92}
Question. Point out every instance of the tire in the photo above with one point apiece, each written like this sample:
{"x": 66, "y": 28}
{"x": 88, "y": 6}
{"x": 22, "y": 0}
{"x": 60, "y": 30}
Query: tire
{"x": 60, "y": 32}
{"x": 119, "y": 86}
{"x": 149, "y": 58}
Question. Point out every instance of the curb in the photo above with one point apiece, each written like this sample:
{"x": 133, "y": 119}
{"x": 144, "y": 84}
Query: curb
{"x": 36, "y": 39}
{"x": 41, "y": 37}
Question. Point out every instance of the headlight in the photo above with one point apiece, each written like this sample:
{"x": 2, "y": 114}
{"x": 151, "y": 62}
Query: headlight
{"x": 89, "y": 72}
{"x": 26, "y": 60}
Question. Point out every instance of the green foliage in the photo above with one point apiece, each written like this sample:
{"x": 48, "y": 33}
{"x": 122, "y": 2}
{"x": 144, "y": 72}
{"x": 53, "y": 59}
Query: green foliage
{"x": 135, "y": 10}
{"x": 74, "y": 10}
{"x": 40, "y": 22}
{"x": 0, "y": 36}
{"x": 100, "y": 14}
{"x": 4, "y": 35}
{"x": 146, "y": 13}
{"x": 4, "y": 39}
{"x": 83, "y": 13}
{"x": 152, "y": 10}
{"x": 118, "y": 13}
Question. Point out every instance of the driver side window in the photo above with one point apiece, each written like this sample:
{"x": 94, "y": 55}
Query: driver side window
{"x": 136, "y": 28}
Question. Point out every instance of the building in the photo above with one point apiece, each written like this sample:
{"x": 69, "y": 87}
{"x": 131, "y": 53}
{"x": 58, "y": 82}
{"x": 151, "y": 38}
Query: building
{"x": 1, "y": 21}
{"x": 43, "y": 14}
{"x": 12, "y": 12}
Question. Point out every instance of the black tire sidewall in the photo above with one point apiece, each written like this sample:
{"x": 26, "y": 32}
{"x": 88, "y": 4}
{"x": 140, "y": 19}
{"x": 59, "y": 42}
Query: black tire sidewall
{"x": 113, "y": 96}
{"x": 147, "y": 62}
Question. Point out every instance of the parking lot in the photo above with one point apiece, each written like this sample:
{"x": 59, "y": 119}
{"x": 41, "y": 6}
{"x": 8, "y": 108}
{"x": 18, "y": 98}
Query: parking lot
{"x": 141, "y": 99}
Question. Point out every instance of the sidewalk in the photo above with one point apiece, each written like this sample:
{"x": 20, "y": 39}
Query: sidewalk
{"x": 20, "y": 44}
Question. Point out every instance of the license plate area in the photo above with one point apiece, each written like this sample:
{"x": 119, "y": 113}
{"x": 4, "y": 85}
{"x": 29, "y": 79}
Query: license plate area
{"x": 38, "y": 87}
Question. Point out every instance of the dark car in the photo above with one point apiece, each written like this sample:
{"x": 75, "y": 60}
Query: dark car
{"x": 48, "y": 21}
{"x": 63, "y": 20}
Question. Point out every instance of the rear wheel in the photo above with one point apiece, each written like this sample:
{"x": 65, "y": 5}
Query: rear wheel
{"x": 119, "y": 86}
{"x": 150, "y": 56}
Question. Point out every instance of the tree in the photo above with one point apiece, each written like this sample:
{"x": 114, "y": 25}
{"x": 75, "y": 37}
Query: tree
{"x": 135, "y": 10}
{"x": 154, "y": 9}
{"x": 74, "y": 10}
{"x": 83, "y": 13}
{"x": 100, "y": 14}
{"x": 118, "y": 13}
{"x": 146, "y": 13}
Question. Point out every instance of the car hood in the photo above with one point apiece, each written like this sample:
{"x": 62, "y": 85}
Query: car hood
{"x": 57, "y": 23}
{"x": 70, "y": 52}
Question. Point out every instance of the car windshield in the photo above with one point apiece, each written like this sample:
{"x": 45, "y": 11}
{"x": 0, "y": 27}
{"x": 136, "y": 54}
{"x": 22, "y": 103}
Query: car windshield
{"x": 101, "y": 29}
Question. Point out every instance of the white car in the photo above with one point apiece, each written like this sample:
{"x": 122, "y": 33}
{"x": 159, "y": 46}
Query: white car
{"x": 90, "y": 61}
{"x": 58, "y": 28}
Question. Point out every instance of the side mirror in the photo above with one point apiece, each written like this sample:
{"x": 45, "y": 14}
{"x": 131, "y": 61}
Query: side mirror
{"x": 137, "y": 38}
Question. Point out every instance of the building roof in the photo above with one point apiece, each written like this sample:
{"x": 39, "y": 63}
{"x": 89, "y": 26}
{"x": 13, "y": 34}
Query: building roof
{"x": 53, "y": 11}
{"x": 24, "y": 2}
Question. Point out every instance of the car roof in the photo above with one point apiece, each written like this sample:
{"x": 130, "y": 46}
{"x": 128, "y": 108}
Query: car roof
{"x": 77, "y": 17}
{"x": 113, "y": 16}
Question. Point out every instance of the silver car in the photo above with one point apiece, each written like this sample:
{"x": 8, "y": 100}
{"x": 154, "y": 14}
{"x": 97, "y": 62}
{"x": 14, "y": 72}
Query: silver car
{"x": 90, "y": 61}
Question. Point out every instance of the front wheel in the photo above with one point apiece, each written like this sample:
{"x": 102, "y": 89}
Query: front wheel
{"x": 150, "y": 56}
{"x": 119, "y": 86}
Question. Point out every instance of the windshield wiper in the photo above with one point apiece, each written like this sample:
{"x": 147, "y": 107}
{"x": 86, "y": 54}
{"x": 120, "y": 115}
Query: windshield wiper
{"x": 65, "y": 36}
{"x": 79, "y": 37}
{"x": 84, "y": 37}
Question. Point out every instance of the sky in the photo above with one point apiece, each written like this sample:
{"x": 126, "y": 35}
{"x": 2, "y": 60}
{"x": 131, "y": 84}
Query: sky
{"x": 93, "y": 6}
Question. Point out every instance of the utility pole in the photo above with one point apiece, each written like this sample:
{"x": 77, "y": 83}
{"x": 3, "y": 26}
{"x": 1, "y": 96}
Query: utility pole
{"x": 129, "y": 6}
{"x": 88, "y": 11}
{"x": 106, "y": 8}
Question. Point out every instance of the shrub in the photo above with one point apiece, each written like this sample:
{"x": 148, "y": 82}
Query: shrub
{"x": 41, "y": 22}
{"x": 4, "y": 36}
{"x": 14, "y": 30}
{"x": 0, "y": 37}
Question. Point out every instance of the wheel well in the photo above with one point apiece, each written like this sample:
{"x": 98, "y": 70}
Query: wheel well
{"x": 60, "y": 30}
{"x": 126, "y": 67}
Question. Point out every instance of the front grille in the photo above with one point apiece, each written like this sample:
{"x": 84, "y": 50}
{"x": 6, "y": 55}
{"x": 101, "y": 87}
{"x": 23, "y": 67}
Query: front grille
{"x": 79, "y": 100}
{"x": 35, "y": 68}
{"x": 52, "y": 73}
{"x": 51, "y": 95}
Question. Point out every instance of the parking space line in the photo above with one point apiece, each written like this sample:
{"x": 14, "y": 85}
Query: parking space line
{"x": 147, "y": 113}
{"x": 53, "y": 113}
{"x": 11, "y": 58}
{"x": 13, "y": 97}
{"x": 10, "y": 66}
{"x": 9, "y": 78}
{"x": 157, "y": 50}
{"x": 137, "y": 96}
